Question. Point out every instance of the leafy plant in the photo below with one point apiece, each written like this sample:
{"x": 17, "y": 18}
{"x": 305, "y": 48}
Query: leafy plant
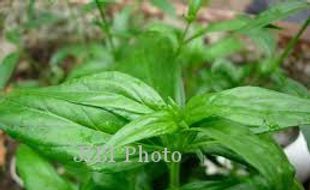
{"x": 139, "y": 98}
{"x": 115, "y": 109}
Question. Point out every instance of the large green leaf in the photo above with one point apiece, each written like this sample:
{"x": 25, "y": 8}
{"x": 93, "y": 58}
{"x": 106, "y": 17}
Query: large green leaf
{"x": 37, "y": 173}
{"x": 58, "y": 120}
{"x": 265, "y": 110}
{"x": 268, "y": 162}
{"x": 113, "y": 83}
{"x": 84, "y": 115}
{"x": 113, "y": 103}
{"x": 7, "y": 67}
{"x": 102, "y": 102}
{"x": 110, "y": 89}
{"x": 48, "y": 132}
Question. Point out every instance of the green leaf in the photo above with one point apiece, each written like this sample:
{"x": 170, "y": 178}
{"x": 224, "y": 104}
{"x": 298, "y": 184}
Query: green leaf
{"x": 14, "y": 36}
{"x": 264, "y": 110}
{"x": 165, "y": 30}
{"x": 121, "y": 22}
{"x": 193, "y": 8}
{"x": 227, "y": 69}
{"x": 152, "y": 54}
{"x": 290, "y": 86}
{"x": 193, "y": 53}
{"x": 222, "y": 75}
{"x": 244, "y": 23}
{"x": 265, "y": 41}
{"x": 276, "y": 13}
{"x": 114, "y": 83}
{"x": 228, "y": 25}
{"x": 103, "y": 101}
{"x": 61, "y": 131}
{"x": 305, "y": 129}
{"x": 223, "y": 48}
{"x": 85, "y": 110}
{"x": 48, "y": 132}
{"x": 222, "y": 26}
{"x": 151, "y": 125}
{"x": 7, "y": 67}
{"x": 37, "y": 173}
{"x": 87, "y": 116}
{"x": 268, "y": 162}
{"x": 165, "y": 6}
{"x": 297, "y": 186}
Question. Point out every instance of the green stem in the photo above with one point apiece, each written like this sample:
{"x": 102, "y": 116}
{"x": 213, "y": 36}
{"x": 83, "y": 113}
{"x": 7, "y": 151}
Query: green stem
{"x": 292, "y": 43}
{"x": 198, "y": 34}
{"x": 182, "y": 39}
{"x": 106, "y": 25}
{"x": 174, "y": 176}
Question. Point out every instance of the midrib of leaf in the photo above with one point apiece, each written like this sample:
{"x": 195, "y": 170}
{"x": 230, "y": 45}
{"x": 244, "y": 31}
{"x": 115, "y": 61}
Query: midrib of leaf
{"x": 62, "y": 116}
{"x": 133, "y": 96}
{"x": 255, "y": 104}
{"x": 116, "y": 82}
{"x": 53, "y": 115}
{"x": 46, "y": 112}
{"x": 144, "y": 127}
{"x": 108, "y": 106}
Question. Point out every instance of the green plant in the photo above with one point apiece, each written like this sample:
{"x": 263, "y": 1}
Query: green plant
{"x": 138, "y": 98}
{"x": 94, "y": 110}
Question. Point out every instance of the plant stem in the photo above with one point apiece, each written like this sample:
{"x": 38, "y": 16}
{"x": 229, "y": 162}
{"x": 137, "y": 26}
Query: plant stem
{"x": 292, "y": 43}
{"x": 182, "y": 39}
{"x": 174, "y": 169}
{"x": 106, "y": 25}
{"x": 198, "y": 34}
